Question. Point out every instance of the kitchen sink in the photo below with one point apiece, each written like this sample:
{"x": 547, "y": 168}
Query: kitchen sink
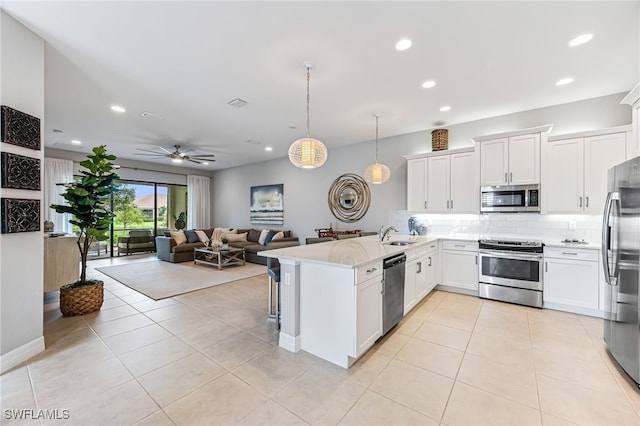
{"x": 400, "y": 243}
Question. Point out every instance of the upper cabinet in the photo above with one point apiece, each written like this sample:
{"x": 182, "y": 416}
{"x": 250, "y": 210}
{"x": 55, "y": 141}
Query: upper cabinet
{"x": 575, "y": 169}
{"x": 633, "y": 99}
{"x": 511, "y": 158}
{"x": 443, "y": 182}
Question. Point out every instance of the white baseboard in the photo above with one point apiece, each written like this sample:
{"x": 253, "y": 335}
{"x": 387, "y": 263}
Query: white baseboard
{"x": 21, "y": 354}
{"x": 574, "y": 309}
{"x": 458, "y": 290}
{"x": 290, "y": 343}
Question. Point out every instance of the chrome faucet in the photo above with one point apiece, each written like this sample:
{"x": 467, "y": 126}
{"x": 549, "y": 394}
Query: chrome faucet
{"x": 384, "y": 233}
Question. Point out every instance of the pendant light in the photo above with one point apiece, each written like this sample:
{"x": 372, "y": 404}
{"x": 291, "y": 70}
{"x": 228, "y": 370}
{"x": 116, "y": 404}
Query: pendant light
{"x": 377, "y": 173}
{"x": 308, "y": 153}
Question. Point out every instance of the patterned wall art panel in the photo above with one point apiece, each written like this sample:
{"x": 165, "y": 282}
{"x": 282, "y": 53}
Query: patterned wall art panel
{"x": 19, "y": 215}
{"x": 20, "y": 172}
{"x": 19, "y": 128}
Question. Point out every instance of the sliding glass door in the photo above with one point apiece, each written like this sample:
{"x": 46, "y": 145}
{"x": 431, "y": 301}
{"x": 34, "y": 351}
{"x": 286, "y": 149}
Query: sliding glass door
{"x": 143, "y": 208}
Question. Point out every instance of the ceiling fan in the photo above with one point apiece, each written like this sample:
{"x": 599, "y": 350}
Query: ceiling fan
{"x": 178, "y": 156}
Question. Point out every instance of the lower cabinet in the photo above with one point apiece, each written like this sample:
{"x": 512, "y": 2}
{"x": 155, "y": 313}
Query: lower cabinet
{"x": 432, "y": 267}
{"x": 571, "y": 278}
{"x": 420, "y": 275}
{"x": 368, "y": 313}
{"x": 460, "y": 265}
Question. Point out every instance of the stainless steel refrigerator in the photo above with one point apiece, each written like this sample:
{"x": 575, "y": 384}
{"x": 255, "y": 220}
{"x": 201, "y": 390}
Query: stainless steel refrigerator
{"x": 621, "y": 261}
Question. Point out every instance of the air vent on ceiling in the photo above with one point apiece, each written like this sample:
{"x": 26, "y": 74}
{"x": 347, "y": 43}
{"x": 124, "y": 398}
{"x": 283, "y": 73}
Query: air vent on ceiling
{"x": 237, "y": 102}
{"x": 151, "y": 115}
{"x": 253, "y": 141}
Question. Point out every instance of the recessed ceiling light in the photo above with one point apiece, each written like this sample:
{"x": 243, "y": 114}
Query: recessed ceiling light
{"x": 581, "y": 39}
{"x": 117, "y": 108}
{"x": 403, "y": 44}
{"x": 76, "y": 142}
{"x": 429, "y": 83}
{"x": 206, "y": 163}
{"x": 445, "y": 108}
{"x": 564, "y": 81}
{"x": 268, "y": 148}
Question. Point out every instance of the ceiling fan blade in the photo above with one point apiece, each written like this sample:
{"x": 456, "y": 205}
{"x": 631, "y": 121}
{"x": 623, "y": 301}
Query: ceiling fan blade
{"x": 202, "y": 156}
{"x": 150, "y": 155}
{"x": 147, "y": 150}
{"x": 165, "y": 150}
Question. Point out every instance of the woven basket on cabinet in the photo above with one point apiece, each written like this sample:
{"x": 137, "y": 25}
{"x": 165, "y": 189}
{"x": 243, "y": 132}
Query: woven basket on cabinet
{"x": 439, "y": 139}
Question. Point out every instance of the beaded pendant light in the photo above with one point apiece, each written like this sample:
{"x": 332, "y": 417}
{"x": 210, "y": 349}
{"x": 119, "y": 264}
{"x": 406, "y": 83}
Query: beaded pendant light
{"x": 308, "y": 153}
{"x": 377, "y": 173}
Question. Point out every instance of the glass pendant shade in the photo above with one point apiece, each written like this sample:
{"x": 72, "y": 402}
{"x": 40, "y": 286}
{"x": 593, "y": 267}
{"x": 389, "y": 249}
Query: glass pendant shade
{"x": 377, "y": 173}
{"x": 307, "y": 153}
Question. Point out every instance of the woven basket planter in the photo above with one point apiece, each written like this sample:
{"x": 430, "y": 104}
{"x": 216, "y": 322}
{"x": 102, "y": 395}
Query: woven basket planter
{"x": 439, "y": 139}
{"x": 81, "y": 300}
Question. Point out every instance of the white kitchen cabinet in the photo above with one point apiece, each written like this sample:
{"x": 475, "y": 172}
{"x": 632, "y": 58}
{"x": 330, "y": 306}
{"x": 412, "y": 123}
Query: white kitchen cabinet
{"x": 575, "y": 171}
{"x": 633, "y": 99}
{"x": 449, "y": 185}
{"x": 368, "y": 314}
{"x": 416, "y": 276}
{"x": 571, "y": 279}
{"x": 460, "y": 265}
{"x": 417, "y": 184}
{"x": 432, "y": 262}
{"x": 511, "y": 158}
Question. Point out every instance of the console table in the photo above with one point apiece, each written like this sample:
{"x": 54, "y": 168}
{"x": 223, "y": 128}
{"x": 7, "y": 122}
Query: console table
{"x": 61, "y": 261}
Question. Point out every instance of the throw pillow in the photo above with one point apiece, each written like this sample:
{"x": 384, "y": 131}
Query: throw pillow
{"x": 269, "y": 237}
{"x": 263, "y": 236}
{"x": 278, "y": 236}
{"x": 179, "y": 237}
{"x": 236, "y": 237}
{"x": 191, "y": 235}
{"x": 202, "y": 236}
{"x": 254, "y": 235}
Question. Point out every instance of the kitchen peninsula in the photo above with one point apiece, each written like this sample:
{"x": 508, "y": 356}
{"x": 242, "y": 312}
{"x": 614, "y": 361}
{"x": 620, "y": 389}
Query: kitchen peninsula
{"x": 331, "y": 293}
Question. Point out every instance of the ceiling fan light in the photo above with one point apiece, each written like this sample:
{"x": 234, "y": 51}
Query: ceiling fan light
{"x": 176, "y": 160}
{"x": 307, "y": 153}
{"x": 377, "y": 173}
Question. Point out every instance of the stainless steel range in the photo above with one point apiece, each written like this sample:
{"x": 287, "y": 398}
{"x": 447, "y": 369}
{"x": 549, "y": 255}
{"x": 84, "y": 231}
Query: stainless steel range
{"x": 511, "y": 271}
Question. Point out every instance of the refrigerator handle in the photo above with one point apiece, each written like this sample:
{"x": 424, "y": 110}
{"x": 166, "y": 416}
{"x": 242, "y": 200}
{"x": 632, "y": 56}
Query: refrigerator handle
{"x": 606, "y": 234}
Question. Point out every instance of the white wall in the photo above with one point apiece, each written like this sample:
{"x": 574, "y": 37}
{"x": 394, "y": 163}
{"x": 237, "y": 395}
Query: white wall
{"x": 305, "y": 191}
{"x": 21, "y": 254}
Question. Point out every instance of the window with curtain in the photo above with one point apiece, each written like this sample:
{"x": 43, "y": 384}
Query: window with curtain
{"x": 198, "y": 202}
{"x": 56, "y": 171}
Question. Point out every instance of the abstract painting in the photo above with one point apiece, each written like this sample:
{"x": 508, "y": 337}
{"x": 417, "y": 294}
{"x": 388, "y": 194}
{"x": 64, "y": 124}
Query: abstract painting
{"x": 267, "y": 204}
{"x": 19, "y": 215}
{"x": 20, "y": 172}
{"x": 18, "y": 128}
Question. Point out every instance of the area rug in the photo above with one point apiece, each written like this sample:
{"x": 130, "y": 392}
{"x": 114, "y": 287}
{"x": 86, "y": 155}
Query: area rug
{"x": 158, "y": 279}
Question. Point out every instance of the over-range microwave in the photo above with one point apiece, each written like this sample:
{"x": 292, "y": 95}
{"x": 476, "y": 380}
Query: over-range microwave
{"x": 510, "y": 199}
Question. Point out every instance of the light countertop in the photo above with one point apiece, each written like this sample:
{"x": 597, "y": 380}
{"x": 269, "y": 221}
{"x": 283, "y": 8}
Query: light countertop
{"x": 354, "y": 252}
{"x": 349, "y": 253}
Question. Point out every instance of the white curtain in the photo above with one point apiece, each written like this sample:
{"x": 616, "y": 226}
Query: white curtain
{"x": 56, "y": 171}
{"x": 199, "y": 205}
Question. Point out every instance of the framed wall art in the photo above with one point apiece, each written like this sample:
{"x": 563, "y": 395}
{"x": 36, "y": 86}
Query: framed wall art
{"x": 19, "y": 128}
{"x": 267, "y": 204}
{"x": 19, "y": 215}
{"x": 20, "y": 172}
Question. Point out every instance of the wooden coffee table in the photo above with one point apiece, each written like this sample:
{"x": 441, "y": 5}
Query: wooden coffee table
{"x": 219, "y": 257}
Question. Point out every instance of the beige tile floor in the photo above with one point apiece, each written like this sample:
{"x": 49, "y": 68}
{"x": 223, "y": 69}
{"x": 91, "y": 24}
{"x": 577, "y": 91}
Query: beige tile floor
{"x": 211, "y": 357}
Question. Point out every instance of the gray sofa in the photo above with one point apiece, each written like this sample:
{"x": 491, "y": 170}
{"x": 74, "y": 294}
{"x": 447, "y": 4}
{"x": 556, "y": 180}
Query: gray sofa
{"x": 169, "y": 251}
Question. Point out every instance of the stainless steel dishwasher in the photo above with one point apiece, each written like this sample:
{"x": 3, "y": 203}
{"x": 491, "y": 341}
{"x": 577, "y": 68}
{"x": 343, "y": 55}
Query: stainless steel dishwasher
{"x": 392, "y": 291}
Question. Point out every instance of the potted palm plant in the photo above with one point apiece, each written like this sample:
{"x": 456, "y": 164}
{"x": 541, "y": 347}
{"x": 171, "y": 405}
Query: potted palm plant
{"x": 88, "y": 201}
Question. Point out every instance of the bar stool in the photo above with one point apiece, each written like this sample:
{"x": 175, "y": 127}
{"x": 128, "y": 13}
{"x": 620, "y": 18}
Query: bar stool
{"x": 273, "y": 270}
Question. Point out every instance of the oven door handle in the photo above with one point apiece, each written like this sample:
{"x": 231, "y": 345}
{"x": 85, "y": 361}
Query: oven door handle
{"x": 511, "y": 255}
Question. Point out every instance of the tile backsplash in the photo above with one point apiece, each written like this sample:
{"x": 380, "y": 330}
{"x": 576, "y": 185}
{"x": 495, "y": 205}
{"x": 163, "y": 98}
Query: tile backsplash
{"x": 507, "y": 225}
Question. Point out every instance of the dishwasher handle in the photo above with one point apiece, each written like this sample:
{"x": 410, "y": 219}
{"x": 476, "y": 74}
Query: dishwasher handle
{"x": 390, "y": 262}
